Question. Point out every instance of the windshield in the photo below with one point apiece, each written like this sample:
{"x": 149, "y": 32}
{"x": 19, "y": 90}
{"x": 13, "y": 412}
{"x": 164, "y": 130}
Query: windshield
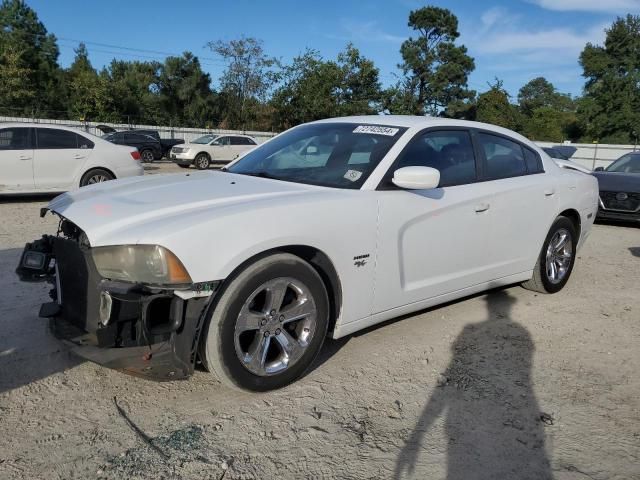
{"x": 625, "y": 164}
{"x": 205, "y": 139}
{"x": 340, "y": 155}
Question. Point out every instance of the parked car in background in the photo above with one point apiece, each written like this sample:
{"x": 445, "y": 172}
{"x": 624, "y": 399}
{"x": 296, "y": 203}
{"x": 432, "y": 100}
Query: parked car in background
{"x": 150, "y": 148}
{"x": 619, "y": 186}
{"x": 39, "y": 158}
{"x": 327, "y": 229}
{"x": 166, "y": 143}
{"x": 563, "y": 161}
{"x": 202, "y": 151}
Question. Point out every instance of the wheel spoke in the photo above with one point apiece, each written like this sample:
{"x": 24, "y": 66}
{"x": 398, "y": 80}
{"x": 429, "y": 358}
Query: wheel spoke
{"x": 275, "y": 295}
{"x": 258, "y": 354}
{"x": 561, "y": 241}
{"x": 248, "y": 320}
{"x": 297, "y": 311}
{"x": 551, "y": 269}
{"x": 290, "y": 346}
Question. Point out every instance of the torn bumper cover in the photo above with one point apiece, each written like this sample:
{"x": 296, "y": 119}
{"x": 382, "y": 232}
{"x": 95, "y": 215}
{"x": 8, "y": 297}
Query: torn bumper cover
{"x": 139, "y": 329}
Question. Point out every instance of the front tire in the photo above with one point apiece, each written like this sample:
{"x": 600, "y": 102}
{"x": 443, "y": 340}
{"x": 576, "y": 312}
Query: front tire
{"x": 202, "y": 161}
{"x": 556, "y": 259}
{"x": 268, "y": 324}
{"x": 97, "y": 175}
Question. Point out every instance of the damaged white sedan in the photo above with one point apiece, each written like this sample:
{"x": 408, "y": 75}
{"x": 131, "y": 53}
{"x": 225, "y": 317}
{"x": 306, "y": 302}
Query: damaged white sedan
{"x": 326, "y": 229}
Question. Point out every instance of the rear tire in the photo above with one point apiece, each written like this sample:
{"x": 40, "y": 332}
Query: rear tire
{"x": 147, "y": 156}
{"x": 267, "y": 325}
{"x": 202, "y": 161}
{"x": 97, "y": 175}
{"x": 556, "y": 259}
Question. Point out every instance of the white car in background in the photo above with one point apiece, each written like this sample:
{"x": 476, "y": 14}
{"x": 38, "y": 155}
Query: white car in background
{"x": 40, "y": 158}
{"x": 211, "y": 148}
{"x": 326, "y": 229}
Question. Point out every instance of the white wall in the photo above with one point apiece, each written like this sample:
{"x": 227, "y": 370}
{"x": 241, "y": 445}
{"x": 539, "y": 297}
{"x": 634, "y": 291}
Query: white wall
{"x": 187, "y": 134}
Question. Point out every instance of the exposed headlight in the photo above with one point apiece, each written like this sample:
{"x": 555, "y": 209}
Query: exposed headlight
{"x": 149, "y": 264}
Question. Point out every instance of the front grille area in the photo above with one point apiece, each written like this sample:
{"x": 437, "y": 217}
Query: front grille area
{"x": 612, "y": 202}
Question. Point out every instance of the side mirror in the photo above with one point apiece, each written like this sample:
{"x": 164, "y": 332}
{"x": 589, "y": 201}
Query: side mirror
{"x": 599, "y": 169}
{"x": 416, "y": 178}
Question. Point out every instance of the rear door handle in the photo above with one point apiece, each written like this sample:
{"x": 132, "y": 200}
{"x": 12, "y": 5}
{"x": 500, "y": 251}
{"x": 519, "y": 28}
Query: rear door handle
{"x": 24, "y": 157}
{"x": 483, "y": 207}
{"x": 77, "y": 155}
{"x": 549, "y": 192}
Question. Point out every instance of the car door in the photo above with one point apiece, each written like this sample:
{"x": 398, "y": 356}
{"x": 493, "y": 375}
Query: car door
{"x": 432, "y": 242}
{"x": 523, "y": 203}
{"x": 239, "y": 145}
{"x": 59, "y": 157}
{"x": 221, "y": 149}
{"x": 16, "y": 159}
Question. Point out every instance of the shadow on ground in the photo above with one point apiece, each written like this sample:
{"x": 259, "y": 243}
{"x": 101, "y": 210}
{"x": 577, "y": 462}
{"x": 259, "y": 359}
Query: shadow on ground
{"x": 635, "y": 251}
{"x": 487, "y": 385}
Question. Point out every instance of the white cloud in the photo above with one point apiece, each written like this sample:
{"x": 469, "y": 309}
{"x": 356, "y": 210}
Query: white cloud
{"x": 555, "y": 42}
{"x": 367, "y": 31}
{"x": 605, "y": 6}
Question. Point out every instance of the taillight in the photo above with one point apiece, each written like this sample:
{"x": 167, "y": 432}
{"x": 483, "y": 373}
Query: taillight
{"x": 135, "y": 155}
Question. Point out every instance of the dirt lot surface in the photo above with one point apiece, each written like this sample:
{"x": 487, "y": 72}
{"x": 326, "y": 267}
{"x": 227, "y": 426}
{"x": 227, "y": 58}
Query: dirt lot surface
{"x": 506, "y": 385}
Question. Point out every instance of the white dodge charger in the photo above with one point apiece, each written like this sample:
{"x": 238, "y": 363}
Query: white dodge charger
{"x": 326, "y": 229}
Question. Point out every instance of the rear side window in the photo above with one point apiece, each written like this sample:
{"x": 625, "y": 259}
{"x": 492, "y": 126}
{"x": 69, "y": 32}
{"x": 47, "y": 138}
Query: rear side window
{"x": 504, "y": 158}
{"x": 53, "y": 139}
{"x": 241, "y": 141}
{"x": 15, "y": 139}
{"x": 449, "y": 151}
{"x": 532, "y": 159}
{"x": 84, "y": 142}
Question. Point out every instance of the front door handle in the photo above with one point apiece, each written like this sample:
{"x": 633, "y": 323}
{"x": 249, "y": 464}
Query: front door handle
{"x": 549, "y": 192}
{"x": 78, "y": 156}
{"x": 24, "y": 157}
{"x": 482, "y": 207}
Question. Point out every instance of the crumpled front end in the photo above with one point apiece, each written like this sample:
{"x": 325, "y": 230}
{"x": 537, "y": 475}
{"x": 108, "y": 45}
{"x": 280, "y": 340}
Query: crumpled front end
{"x": 140, "y": 329}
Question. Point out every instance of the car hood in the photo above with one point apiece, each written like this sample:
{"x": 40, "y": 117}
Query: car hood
{"x": 618, "y": 182}
{"x": 119, "y": 209}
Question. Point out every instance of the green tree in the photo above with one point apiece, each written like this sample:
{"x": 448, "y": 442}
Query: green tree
{"x": 185, "y": 93}
{"x": 313, "y": 88}
{"x": 89, "y": 97}
{"x": 247, "y": 79}
{"x": 539, "y": 93}
{"x": 435, "y": 69}
{"x": 611, "y": 110}
{"x": 14, "y": 81}
{"x": 27, "y": 48}
{"x": 493, "y": 106}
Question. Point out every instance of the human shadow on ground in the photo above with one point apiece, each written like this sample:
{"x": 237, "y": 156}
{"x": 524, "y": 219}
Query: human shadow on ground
{"x": 492, "y": 422}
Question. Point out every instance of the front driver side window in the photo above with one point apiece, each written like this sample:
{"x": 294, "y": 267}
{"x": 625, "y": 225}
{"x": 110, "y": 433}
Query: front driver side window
{"x": 449, "y": 151}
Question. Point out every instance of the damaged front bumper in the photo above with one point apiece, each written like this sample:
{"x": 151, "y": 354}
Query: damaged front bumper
{"x": 143, "y": 330}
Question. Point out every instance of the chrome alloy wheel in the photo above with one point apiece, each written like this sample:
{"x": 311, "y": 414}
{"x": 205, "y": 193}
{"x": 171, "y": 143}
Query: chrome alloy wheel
{"x": 202, "y": 162}
{"x": 559, "y": 254}
{"x": 147, "y": 156}
{"x": 97, "y": 178}
{"x": 275, "y": 326}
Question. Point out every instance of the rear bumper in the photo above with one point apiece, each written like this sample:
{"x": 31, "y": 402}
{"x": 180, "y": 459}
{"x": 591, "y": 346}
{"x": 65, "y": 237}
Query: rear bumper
{"x": 144, "y": 331}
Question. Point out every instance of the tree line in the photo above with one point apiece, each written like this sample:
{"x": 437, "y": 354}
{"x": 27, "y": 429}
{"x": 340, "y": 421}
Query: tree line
{"x": 257, "y": 91}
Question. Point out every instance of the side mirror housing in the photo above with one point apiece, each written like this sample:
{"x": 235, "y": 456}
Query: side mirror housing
{"x": 599, "y": 169}
{"x": 416, "y": 178}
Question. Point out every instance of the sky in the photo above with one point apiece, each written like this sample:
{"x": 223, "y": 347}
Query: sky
{"x": 515, "y": 40}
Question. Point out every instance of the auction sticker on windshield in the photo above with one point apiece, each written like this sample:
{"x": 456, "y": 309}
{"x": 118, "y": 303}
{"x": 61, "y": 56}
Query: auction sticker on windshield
{"x": 352, "y": 175}
{"x": 376, "y": 130}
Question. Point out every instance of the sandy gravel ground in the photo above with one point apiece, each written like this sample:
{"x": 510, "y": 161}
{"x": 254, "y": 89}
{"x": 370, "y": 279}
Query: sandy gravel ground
{"x": 506, "y": 385}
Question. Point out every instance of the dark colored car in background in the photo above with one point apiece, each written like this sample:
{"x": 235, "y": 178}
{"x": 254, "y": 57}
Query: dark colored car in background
{"x": 150, "y": 148}
{"x": 619, "y": 186}
{"x": 166, "y": 143}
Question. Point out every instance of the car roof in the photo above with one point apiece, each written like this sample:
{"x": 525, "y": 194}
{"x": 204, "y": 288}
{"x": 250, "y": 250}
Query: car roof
{"x": 41, "y": 125}
{"x": 414, "y": 121}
